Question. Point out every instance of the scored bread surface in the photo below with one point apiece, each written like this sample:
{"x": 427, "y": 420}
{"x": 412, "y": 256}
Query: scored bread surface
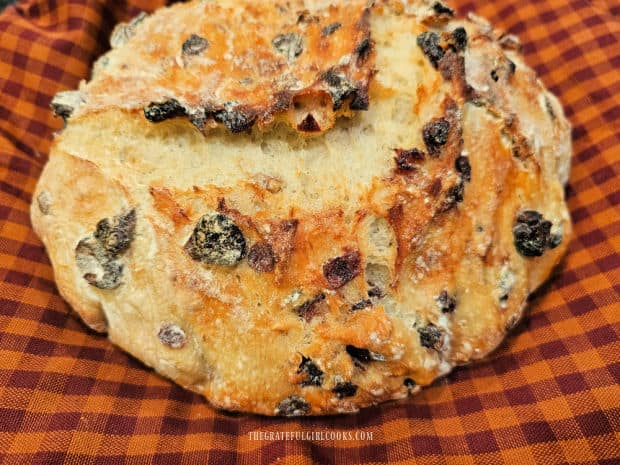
{"x": 304, "y": 207}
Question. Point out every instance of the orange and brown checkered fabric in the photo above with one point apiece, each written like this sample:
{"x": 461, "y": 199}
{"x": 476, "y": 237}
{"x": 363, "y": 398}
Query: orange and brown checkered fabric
{"x": 550, "y": 395}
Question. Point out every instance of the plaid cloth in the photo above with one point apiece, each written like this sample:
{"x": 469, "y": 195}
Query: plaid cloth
{"x": 549, "y": 395}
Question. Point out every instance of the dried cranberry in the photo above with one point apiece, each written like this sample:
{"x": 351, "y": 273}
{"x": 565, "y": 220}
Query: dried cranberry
{"x": 459, "y": 39}
{"x": 435, "y": 187}
{"x": 442, "y": 9}
{"x": 291, "y": 45}
{"x": 363, "y": 50}
{"x": 116, "y": 235}
{"x": 360, "y": 99}
{"x": 429, "y": 43}
{"x": 375, "y": 291}
{"x": 435, "y": 135}
{"x": 531, "y": 233}
{"x": 235, "y": 119}
{"x": 330, "y": 29}
{"x": 310, "y": 308}
{"x": 344, "y": 389}
{"x": 340, "y": 270}
{"x": 512, "y": 68}
{"x": 194, "y": 45}
{"x": 98, "y": 267}
{"x": 454, "y": 195}
{"x": 446, "y": 302}
{"x": 363, "y": 355}
{"x": 361, "y": 304}
{"x": 407, "y": 160}
{"x": 96, "y": 255}
{"x": 172, "y": 336}
{"x": 314, "y": 376}
{"x": 293, "y": 406}
{"x": 462, "y": 166}
{"x": 158, "y": 112}
{"x": 261, "y": 257}
{"x": 431, "y": 336}
{"x": 339, "y": 87}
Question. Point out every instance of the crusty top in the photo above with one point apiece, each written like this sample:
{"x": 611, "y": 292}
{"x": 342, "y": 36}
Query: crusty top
{"x": 238, "y": 63}
{"x": 294, "y": 275}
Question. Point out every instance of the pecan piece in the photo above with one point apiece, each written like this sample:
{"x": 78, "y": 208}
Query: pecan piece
{"x": 431, "y": 337}
{"x": 216, "y": 240}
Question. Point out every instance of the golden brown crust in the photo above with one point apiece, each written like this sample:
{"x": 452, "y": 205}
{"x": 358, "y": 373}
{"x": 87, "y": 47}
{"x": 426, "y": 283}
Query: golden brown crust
{"x": 281, "y": 274}
{"x": 299, "y": 63}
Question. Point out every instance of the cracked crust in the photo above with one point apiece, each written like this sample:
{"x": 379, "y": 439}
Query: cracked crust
{"x": 291, "y": 275}
{"x": 215, "y": 63}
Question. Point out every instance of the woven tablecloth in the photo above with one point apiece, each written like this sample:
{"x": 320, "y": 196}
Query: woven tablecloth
{"x": 549, "y": 395}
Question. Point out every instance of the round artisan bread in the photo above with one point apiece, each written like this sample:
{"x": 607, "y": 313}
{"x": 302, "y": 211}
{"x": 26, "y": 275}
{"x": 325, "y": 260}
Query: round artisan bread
{"x": 301, "y": 208}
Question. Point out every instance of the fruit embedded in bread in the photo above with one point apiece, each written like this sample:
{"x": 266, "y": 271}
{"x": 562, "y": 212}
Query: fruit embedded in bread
{"x": 305, "y": 208}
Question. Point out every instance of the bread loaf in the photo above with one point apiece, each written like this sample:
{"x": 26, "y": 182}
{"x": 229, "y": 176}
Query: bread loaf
{"x": 305, "y": 207}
